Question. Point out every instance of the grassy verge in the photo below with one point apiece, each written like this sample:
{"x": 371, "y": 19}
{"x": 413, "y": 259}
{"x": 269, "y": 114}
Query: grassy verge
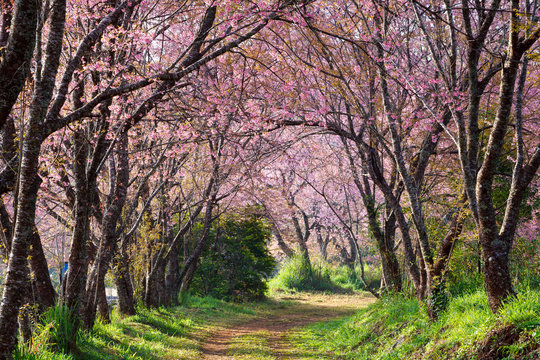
{"x": 172, "y": 333}
{"x": 397, "y": 328}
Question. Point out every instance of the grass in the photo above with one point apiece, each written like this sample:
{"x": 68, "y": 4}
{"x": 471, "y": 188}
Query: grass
{"x": 296, "y": 274}
{"x": 253, "y": 346}
{"x": 173, "y": 333}
{"x": 395, "y": 327}
{"x": 398, "y": 328}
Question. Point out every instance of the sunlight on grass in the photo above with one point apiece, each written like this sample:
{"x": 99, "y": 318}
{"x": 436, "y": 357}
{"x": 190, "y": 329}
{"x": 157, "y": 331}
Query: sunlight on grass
{"x": 253, "y": 346}
{"x": 174, "y": 333}
{"x": 397, "y": 328}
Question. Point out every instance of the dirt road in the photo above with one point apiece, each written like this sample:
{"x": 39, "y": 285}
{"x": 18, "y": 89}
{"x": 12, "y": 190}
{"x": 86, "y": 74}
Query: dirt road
{"x": 266, "y": 338}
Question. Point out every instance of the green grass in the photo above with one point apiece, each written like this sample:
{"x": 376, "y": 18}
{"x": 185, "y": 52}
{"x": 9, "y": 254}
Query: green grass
{"x": 253, "y": 346}
{"x": 398, "y": 328}
{"x": 296, "y": 274}
{"x": 173, "y": 333}
{"x": 348, "y": 278}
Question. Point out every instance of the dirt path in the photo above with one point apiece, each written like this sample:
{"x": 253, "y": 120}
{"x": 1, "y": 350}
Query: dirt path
{"x": 269, "y": 334}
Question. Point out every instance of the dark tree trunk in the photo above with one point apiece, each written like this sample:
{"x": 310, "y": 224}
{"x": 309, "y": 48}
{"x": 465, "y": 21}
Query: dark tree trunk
{"x": 122, "y": 277}
{"x": 171, "y": 277}
{"x": 384, "y": 238}
{"x": 25, "y": 328}
{"x": 108, "y": 243}
{"x": 281, "y": 243}
{"x": 29, "y": 181}
{"x": 497, "y": 242}
{"x": 323, "y": 244}
{"x": 24, "y": 228}
{"x": 188, "y": 278}
{"x": 302, "y": 236}
{"x": 190, "y": 265}
{"x": 16, "y": 57}
{"x": 40, "y": 271}
{"x": 495, "y": 256}
{"x": 74, "y": 293}
{"x": 155, "y": 283}
{"x": 102, "y": 304}
{"x": 46, "y": 295}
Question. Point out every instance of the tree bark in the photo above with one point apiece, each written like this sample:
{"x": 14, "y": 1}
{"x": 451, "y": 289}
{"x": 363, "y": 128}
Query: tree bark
{"x": 102, "y": 304}
{"x": 16, "y": 57}
{"x": 40, "y": 271}
{"x": 496, "y": 243}
{"x": 171, "y": 277}
{"x": 122, "y": 277}
{"x": 108, "y": 244}
{"x": 17, "y": 271}
{"x": 74, "y": 293}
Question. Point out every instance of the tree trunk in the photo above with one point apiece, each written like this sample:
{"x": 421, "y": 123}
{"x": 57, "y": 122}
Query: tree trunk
{"x": 102, "y": 304}
{"x": 384, "y": 239}
{"x": 74, "y": 293}
{"x": 155, "y": 282}
{"x": 122, "y": 277}
{"x": 24, "y": 228}
{"x": 171, "y": 278}
{"x": 323, "y": 245}
{"x": 188, "y": 278}
{"x": 40, "y": 271}
{"x": 46, "y": 295}
{"x": 495, "y": 256}
{"x": 108, "y": 244}
{"x": 281, "y": 243}
{"x": 16, "y": 58}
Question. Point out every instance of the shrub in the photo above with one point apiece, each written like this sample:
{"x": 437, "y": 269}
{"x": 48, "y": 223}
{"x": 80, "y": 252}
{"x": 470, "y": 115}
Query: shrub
{"x": 237, "y": 263}
{"x": 59, "y": 322}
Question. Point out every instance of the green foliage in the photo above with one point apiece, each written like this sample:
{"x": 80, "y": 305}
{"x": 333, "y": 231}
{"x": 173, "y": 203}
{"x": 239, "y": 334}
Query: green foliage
{"x": 238, "y": 261}
{"x": 26, "y": 352}
{"x": 398, "y": 328}
{"x": 297, "y": 274}
{"x": 524, "y": 262}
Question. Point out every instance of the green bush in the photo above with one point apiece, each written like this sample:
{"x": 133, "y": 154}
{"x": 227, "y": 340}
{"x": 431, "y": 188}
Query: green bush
{"x": 237, "y": 263}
